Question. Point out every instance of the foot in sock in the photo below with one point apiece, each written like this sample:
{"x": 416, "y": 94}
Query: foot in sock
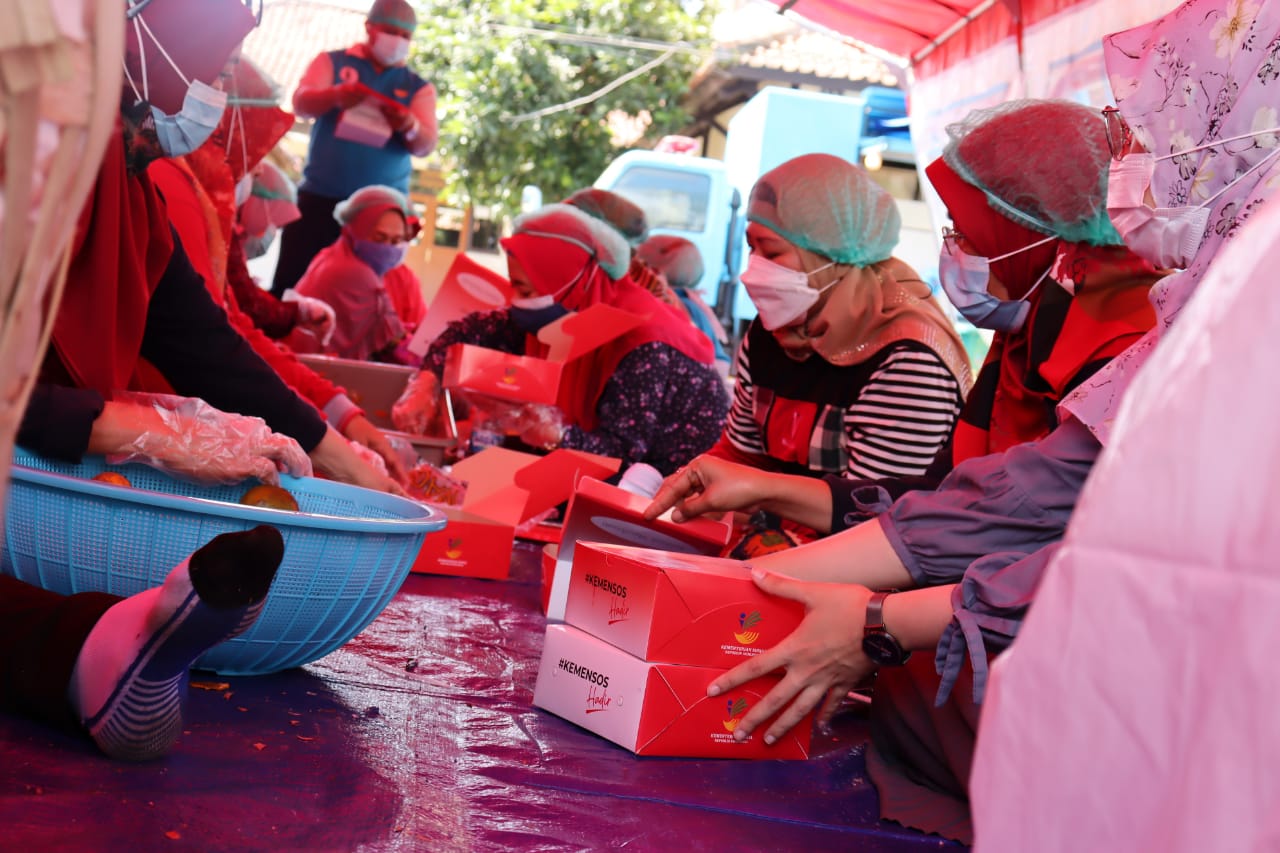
{"x": 131, "y": 675}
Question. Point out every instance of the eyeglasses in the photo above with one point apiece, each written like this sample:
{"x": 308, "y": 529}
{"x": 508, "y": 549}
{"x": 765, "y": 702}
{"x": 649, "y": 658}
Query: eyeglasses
{"x": 1119, "y": 135}
{"x": 954, "y": 240}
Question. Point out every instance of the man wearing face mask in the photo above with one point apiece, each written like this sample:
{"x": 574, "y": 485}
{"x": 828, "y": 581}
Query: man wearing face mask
{"x": 373, "y": 71}
{"x": 377, "y": 299}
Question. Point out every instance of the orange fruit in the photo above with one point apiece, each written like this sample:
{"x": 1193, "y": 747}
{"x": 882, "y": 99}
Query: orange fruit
{"x": 273, "y": 497}
{"x": 113, "y": 477}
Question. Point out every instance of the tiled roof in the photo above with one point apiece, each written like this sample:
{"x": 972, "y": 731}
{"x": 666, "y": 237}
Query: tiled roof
{"x": 293, "y": 32}
{"x": 806, "y": 52}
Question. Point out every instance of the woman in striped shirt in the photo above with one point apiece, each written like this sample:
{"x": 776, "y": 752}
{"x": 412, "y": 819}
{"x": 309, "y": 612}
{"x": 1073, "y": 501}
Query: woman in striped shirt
{"x": 851, "y": 368}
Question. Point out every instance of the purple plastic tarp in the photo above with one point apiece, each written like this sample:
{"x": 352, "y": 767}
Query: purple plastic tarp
{"x": 420, "y": 735}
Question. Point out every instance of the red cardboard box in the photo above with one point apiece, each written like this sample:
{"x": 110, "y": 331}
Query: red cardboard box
{"x": 553, "y": 380}
{"x": 467, "y": 287}
{"x": 599, "y": 512}
{"x": 652, "y": 708}
{"x": 504, "y": 489}
{"x": 675, "y": 608}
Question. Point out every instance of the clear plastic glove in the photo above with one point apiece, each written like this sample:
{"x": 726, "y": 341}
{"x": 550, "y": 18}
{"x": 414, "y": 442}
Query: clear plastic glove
{"x": 188, "y": 438}
{"x": 419, "y": 405}
{"x": 359, "y": 430}
{"x": 314, "y": 315}
{"x": 338, "y": 459}
{"x": 370, "y": 458}
{"x": 541, "y": 426}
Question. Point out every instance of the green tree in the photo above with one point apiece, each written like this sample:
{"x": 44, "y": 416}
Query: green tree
{"x": 494, "y": 61}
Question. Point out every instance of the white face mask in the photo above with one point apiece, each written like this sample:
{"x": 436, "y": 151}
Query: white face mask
{"x": 388, "y": 49}
{"x": 781, "y": 295}
{"x": 1168, "y": 237}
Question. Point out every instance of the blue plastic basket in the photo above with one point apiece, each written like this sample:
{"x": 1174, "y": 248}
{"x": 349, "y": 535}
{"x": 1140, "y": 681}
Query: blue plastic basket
{"x": 347, "y": 549}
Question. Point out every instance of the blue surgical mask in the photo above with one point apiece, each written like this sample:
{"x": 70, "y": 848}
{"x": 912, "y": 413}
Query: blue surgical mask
{"x": 382, "y": 258}
{"x": 535, "y": 312}
{"x": 965, "y": 278}
{"x": 202, "y": 105}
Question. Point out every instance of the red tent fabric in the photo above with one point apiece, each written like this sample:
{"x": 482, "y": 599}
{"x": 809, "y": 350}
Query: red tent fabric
{"x": 908, "y": 28}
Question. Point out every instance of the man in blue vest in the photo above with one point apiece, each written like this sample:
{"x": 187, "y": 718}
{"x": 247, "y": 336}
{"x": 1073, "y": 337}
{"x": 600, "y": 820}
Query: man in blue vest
{"x": 357, "y": 96}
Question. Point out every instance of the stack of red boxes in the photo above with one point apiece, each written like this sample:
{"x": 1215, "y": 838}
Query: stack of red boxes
{"x": 645, "y": 633}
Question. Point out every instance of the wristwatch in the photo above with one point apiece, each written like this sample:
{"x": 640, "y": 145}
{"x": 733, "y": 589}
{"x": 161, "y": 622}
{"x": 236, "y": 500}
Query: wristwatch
{"x": 877, "y": 643}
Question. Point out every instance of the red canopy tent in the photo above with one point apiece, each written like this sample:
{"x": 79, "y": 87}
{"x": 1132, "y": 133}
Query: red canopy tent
{"x": 930, "y": 35}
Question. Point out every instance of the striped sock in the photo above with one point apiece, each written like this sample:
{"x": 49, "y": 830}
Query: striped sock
{"x": 130, "y": 678}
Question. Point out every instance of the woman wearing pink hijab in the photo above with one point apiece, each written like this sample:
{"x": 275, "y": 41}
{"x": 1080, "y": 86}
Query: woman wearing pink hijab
{"x": 957, "y": 569}
{"x": 1138, "y": 712}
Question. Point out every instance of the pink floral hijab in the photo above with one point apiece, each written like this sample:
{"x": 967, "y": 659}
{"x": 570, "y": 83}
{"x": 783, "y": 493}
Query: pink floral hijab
{"x": 1207, "y": 71}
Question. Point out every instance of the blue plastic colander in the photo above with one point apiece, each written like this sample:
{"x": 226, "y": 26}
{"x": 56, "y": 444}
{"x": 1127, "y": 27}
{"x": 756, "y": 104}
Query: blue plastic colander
{"x": 346, "y": 551}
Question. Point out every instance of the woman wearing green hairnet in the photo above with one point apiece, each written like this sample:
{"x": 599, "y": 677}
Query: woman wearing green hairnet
{"x": 851, "y": 369}
{"x": 1031, "y": 256}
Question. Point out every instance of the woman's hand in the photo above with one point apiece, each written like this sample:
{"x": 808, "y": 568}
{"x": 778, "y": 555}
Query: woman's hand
{"x": 361, "y": 430}
{"x": 191, "y": 439}
{"x": 709, "y": 484}
{"x": 822, "y": 658}
{"x": 336, "y": 458}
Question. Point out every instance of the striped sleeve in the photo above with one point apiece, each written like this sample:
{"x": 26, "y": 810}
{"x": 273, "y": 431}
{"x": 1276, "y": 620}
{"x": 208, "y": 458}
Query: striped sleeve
{"x": 903, "y": 416}
{"x": 741, "y": 427}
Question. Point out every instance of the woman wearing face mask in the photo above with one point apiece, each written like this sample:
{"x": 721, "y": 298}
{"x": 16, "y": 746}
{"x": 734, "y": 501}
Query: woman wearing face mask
{"x": 134, "y": 311}
{"x": 372, "y": 72}
{"x": 851, "y": 368}
{"x": 377, "y": 299}
{"x": 1033, "y": 257}
{"x": 967, "y": 560}
{"x": 656, "y": 398}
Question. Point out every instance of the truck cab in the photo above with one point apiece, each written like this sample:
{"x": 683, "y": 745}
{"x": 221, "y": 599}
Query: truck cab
{"x": 690, "y": 197}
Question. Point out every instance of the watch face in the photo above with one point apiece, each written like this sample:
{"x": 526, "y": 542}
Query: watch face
{"x": 883, "y": 649}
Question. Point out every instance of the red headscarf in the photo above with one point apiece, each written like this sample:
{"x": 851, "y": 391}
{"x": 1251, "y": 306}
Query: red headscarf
{"x": 122, "y": 247}
{"x": 1109, "y": 314}
{"x": 552, "y": 264}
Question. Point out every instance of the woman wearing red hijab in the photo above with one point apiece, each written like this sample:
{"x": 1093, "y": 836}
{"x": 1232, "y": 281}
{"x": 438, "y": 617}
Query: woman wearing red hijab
{"x": 132, "y": 301}
{"x": 656, "y": 396}
{"x": 377, "y": 299}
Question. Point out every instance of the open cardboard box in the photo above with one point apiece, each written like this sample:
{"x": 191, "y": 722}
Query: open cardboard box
{"x": 572, "y": 343}
{"x": 675, "y": 608}
{"x": 504, "y": 489}
{"x": 375, "y": 387}
{"x": 652, "y": 708}
{"x": 599, "y": 512}
{"x": 467, "y": 288}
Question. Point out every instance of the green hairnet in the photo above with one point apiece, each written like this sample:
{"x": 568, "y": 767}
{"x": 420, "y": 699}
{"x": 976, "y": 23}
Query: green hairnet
{"x": 566, "y": 222}
{"x": 393, "y": 13}
{"x": 829, "y": 206}
{"x": 676, "y": 258}
{"x": 1041, "y": 163}
{"x": 374, "y": 195}
{"x": 614, "y": 209}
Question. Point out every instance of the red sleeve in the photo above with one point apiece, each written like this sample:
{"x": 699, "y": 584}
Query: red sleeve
{"x": 310, "y": 385}
{"x": 265, "y": 311}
